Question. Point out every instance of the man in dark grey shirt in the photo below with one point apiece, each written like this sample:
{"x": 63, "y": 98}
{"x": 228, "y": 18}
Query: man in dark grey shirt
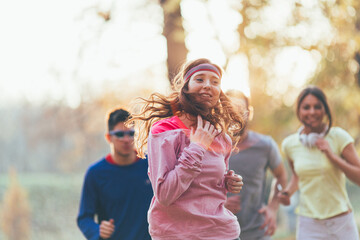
{"x": 254, "y": 155}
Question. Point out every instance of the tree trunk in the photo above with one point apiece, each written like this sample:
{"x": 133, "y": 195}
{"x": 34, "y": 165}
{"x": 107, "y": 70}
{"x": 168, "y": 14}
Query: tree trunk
{"x": 175, "y": 36}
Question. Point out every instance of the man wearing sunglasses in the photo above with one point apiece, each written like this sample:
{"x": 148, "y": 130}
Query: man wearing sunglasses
{"x": 116, "y": 188}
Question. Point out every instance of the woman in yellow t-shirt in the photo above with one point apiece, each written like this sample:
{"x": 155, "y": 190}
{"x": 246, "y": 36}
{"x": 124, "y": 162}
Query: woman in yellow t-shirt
{"x": 321, "y": 157}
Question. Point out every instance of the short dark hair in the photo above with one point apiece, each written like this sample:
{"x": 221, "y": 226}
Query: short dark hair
{"x": 319, "y": 94}
{"x": 115, "y": 116}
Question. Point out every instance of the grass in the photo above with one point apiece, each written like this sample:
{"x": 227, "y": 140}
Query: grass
{"x": 54, "y": 201}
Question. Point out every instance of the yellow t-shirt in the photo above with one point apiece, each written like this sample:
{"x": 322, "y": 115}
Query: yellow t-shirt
{"x": 322, "y": 186}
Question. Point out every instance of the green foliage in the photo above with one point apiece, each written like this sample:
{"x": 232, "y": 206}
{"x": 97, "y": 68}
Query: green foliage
{"x": 336, "y": 72}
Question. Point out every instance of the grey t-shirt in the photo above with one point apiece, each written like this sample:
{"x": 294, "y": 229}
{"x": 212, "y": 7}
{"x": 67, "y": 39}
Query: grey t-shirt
{"x": 260, "y": 152}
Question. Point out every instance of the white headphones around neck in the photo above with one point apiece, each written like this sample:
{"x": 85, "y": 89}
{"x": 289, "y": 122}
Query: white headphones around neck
{"x": 309, "y": 140}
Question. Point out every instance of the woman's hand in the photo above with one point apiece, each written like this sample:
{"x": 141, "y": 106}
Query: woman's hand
{"x": 284, "y": 198}
{"x": 233, "y": 182}
{"x": 324, "y": 146}
{"x": 204, "y": 133}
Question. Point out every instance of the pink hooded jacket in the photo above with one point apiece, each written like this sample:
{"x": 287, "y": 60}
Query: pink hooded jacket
{"x": 188, "y": 184}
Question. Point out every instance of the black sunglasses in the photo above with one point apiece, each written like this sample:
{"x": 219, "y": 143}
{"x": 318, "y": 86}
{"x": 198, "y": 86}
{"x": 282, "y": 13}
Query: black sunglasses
{"x": 121, "y": 133}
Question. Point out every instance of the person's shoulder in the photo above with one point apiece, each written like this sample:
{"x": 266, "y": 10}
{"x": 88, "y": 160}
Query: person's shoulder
{"x": 290, "y": 139}
{"x": 256, "y": 134}
{"x": 263, "y": 139}
{"x": 97, "y": 165}
{"x": 261, "y": 136}
{"x": 143, "y": 160}
{"x": 339, "y": 133}
{"x": 337, "y": 130}
{"x": 166, "y": 124}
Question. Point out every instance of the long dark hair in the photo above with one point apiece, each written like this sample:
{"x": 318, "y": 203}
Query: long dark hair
{"x": 319, "y": 94}
{"x": 157, "y": 107}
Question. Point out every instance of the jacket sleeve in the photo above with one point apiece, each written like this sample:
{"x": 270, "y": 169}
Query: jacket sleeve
{"x": 87, "y": 211}
{"x": 170, "y": 175}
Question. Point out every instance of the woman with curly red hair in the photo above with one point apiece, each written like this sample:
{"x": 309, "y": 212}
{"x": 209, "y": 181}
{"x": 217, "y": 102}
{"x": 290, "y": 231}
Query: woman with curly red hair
{"x": 189, "y": 140}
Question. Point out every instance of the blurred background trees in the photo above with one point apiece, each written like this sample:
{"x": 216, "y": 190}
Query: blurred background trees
{"x": 174, "y": 33}
{"x": 119, "y": 50}
{"x": 58, "y": 136}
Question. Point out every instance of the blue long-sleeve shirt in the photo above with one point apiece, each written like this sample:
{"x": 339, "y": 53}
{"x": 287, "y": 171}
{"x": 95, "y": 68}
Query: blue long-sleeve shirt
{"x": 122, "y": 193}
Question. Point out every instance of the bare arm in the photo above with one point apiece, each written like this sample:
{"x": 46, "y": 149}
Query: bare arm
{"x": 291, "y": 188}
{"x": 348, "y": 162}
{"x": 270, "y": 211}
{"x": 233, "y": 182}
{"x": 280, "y": 177}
